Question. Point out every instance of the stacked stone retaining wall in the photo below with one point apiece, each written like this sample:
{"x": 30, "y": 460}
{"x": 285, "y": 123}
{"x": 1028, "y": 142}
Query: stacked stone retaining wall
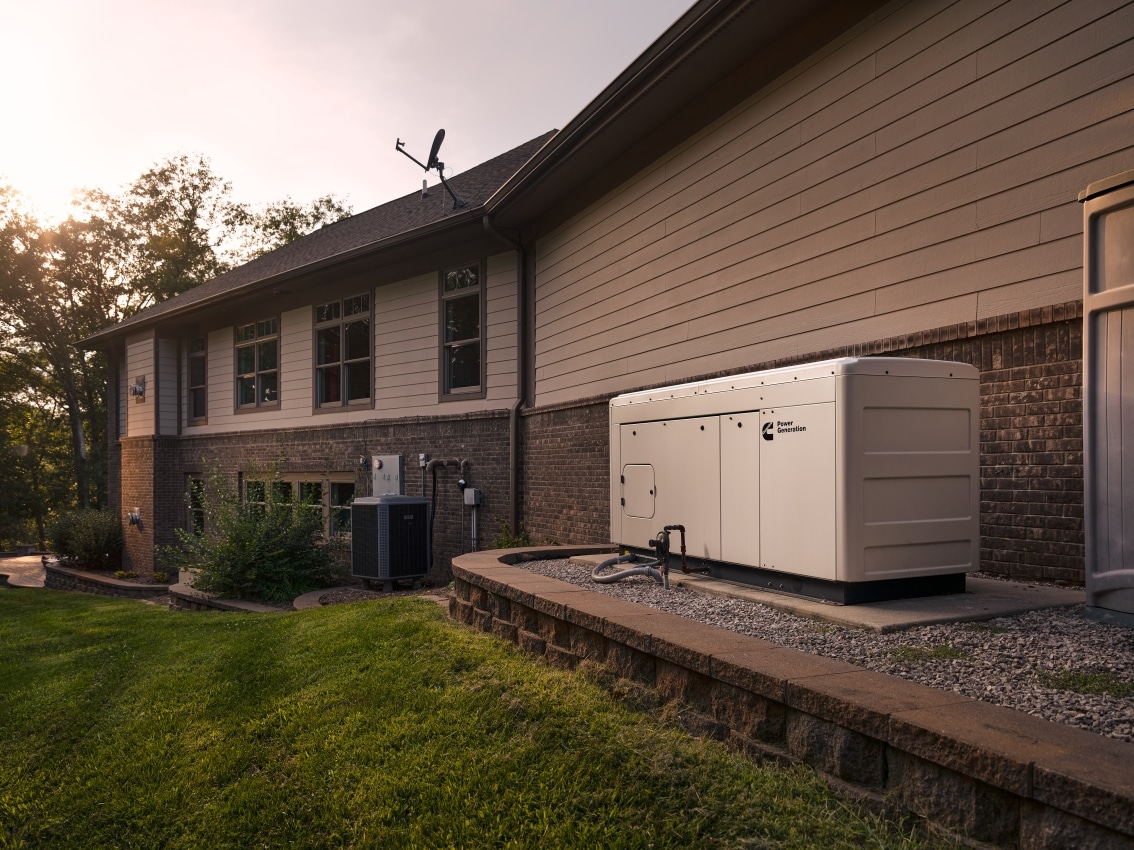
{"x": 61, "y": 578}
{"x": 981, "y": 771}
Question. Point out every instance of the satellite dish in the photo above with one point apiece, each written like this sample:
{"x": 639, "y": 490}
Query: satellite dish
{"x": 433, "y": 151}
{"x": 433, "y": 162}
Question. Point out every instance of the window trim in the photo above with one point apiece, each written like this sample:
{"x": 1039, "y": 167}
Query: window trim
{"x": 342, "y": 322}
{"x": 444, "y": 394}
{"x": 236, "y": 374}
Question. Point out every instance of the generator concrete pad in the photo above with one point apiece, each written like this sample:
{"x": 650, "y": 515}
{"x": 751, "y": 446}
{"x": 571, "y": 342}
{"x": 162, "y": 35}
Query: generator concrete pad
{"x": 983, "y": 599}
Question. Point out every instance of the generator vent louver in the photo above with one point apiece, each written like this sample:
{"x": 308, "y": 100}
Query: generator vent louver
{"x": 390, "y": 538}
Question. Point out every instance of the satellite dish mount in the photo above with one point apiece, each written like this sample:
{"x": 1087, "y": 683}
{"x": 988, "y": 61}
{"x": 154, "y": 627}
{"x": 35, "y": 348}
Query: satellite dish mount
{"x": 432, "y": 163}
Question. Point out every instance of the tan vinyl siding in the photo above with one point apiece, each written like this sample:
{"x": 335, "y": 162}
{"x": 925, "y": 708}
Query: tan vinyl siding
{"x": 407, "y": 344}
{"x": 296, "y": 367}
{"x": 501, "y": 327}
{"x": 406, "y": 354}
{"x": 140, "y": 365}
{"x": 922, "y": 171}
{"x": 167, "y": 386}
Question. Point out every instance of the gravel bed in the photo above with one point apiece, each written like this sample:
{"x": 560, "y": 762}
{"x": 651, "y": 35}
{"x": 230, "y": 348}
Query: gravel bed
{"x": 1000, "y": 661}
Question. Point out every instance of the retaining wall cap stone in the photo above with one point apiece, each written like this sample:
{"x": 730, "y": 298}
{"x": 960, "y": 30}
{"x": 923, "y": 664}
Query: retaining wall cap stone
{"x": 864, "y": 700}
{"x": 989, "y": 742}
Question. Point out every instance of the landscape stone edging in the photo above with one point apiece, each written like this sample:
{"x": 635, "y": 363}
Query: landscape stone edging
{"x": 184, "y": 597}
{"x": 64, "y": 578}
{"x": 982, "y": 771}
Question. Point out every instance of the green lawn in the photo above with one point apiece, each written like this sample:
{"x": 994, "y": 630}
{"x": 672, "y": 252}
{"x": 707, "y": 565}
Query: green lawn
{"x": 378, "y": 724}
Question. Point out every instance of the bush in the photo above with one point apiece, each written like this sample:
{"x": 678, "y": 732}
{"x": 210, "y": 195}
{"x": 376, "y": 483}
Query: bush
{"x": 505, "y": 538}
{"x": 87, "y": 540}
{"x": 271, "y": 550}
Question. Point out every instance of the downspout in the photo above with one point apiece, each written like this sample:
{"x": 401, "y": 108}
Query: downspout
{"x": 521, "y": 370}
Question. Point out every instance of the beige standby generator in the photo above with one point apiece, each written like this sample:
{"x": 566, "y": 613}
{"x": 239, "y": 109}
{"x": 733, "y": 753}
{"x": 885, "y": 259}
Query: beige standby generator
{"x": 851, "y": 480}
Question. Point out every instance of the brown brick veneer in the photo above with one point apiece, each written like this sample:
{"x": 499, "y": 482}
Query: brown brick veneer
{"x": 155, "y": 471}
{"x": 1031, "y": 431}
{"x": 1031, "y": 453}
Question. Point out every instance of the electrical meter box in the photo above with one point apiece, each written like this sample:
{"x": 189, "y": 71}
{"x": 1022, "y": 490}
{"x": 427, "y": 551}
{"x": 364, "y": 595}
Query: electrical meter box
{"x": 851, "y": 479}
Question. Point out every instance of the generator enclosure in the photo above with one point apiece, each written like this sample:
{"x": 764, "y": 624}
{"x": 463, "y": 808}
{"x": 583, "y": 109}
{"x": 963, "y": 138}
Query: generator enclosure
{"x": 1108, "y": 398}
{"x": 389, "y": 537}
{"x": 850, "y": 470}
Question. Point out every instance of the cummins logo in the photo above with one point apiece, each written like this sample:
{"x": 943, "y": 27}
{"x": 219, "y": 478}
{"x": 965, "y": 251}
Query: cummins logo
{"x": 769, "y": 429}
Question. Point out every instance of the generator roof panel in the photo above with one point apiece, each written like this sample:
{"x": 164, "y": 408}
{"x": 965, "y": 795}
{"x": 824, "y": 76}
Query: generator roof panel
{"x": 895, "y": 366}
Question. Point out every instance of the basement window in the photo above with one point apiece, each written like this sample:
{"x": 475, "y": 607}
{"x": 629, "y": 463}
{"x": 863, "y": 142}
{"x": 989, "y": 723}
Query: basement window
{"x": 328, "y": 497}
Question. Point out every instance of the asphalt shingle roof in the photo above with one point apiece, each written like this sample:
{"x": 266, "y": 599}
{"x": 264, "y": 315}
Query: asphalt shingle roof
{"x": 400, "y": 217}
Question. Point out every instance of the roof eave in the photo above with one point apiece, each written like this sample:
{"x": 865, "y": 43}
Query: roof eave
{"x": 632, "y": 106}
{"x": 104, "y": 339}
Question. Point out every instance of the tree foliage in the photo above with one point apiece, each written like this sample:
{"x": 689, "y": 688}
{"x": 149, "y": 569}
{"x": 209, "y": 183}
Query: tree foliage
{"x": 173, "y": 228}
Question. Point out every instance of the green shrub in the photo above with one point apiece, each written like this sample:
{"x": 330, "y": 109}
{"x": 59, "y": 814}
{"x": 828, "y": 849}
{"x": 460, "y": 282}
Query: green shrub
{"x": 250, "y": 549}
{"x": 87, "y": 540}
{"x": 505, "y": 538}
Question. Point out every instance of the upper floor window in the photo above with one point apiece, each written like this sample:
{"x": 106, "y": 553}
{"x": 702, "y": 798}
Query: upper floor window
{"x": 342, "y": 352}
{"x": 258, "y": 364}
{"x": 197, "y": 384}
{"x": 462, "y": 330}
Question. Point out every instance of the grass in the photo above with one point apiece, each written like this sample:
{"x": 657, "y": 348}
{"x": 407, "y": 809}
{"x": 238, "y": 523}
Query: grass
{"x": 921, "y": 654}
{"x": 377, "y": 724}
{"x": 1086, "y": 682}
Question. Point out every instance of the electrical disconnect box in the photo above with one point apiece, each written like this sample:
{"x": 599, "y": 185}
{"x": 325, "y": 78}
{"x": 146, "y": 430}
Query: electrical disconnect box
{"x": 388, "y": 475}
{"x": 852, "y": 471}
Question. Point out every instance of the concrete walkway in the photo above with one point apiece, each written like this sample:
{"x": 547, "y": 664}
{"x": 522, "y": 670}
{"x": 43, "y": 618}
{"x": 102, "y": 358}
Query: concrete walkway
{"x": 23, "y": 571}
{"x": 983, "y": 599}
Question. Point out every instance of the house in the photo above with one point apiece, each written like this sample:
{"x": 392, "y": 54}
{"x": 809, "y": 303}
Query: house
{"x": 767, "y": 184}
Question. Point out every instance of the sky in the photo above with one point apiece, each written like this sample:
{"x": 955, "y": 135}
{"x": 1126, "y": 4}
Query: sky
{"x": 296, "y": 99}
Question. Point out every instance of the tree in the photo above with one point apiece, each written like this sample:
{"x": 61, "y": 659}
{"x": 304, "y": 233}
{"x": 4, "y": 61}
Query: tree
{"x": 37, "y": 317}
{"x": 173, "y": 228}
{"x": 35, "y": 473}
{"x": 175, "y": 219}
{"x": 284, "y": 221}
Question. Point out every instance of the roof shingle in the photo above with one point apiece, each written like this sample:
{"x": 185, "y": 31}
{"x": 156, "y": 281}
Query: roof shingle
{"x": 400, "y": 217}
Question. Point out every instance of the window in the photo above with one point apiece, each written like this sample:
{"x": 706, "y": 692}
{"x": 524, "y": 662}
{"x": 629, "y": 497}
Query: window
{"x": 342, "y": 352}
{"x": 461, "y": 331}
{"x": 196, "y": 503}
{"x": 197, "y": 381}
{"x": 328, "y": 498}
{"x": 338, "y": 508}
{"x": 257, "y": 364}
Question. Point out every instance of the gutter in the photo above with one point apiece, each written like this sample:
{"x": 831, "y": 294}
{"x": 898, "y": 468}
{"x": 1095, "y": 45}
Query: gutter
{"x": 522, "y": 360}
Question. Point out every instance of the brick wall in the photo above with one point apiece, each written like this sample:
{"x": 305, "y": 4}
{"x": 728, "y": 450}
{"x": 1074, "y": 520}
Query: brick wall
{"x": 1031, "y": 454}
{"x": 565, "y": 473}
{"x": 480, "y": 438}
{"x": 137, "y": 477}
{"x": 1031, "y": 432}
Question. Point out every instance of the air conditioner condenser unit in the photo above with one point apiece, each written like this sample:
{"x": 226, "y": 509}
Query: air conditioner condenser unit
{"x": 390, "y": 538}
